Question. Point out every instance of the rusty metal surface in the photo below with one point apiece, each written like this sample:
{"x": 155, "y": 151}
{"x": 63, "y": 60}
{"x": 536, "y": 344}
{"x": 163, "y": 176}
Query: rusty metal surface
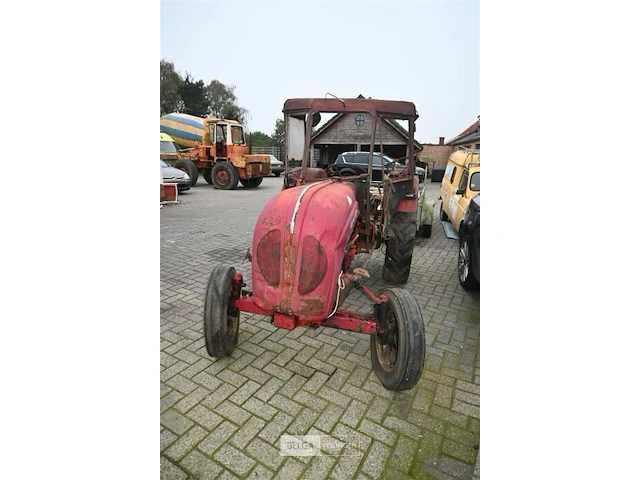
{"x": 392, "y": 108}
{"x": 349, "y": 320}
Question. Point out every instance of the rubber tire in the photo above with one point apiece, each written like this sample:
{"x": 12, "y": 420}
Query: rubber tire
{"x": 425, "y": 231}
{"x": 346, "y": 172}
{"x": 397, "y": 259}
{"x": 443, "y": 214}
{"x": 276, "y": 174}
{"x": 190, "y": 169}
{"x": 468, "y": 281}
{"x": 233, "y": 174}
{"x": 207, "y": 177}
{"x": 218, "y": 340}
{"x": 251, "y": 182}
{"x": 407, "y": 369}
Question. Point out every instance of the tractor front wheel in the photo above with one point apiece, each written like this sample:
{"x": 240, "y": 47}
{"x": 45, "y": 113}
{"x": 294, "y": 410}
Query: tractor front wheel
{"x": 207, "y": 177}
{"x": 225, "y": 176}
{"x": 398, "y": 359}
{"x": 221, "y": 318}
{"x": 401, "y": 233}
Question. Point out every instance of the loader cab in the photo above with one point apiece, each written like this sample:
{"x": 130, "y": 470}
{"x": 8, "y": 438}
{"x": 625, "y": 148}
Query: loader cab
{"x": 168, "y": 149}
{"x": 226, "y": 136}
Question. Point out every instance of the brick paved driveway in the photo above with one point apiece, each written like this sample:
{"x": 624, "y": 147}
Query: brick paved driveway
{"x": 224, "y": 418}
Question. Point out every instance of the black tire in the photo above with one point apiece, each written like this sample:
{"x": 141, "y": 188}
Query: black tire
{"x": 401, "y": 233}
{"x": 345, "y": 172}
{"x": 398, "y": 363}
{"x": 207, "y": 177}
{"x": 251, "y": 182}
{"x": 221, "y": 321}
{"x": 443, "y": 215}
{"x": 190, "y": 169}
{"x": 225, "y": 176}
{"x": 465, "y": 266}
{"x": 276, "y": 174}
{"x": 425, "y": 231}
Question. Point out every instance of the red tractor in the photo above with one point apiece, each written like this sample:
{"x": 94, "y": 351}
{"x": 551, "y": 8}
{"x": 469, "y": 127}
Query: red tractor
{"x": 307, "y": 236}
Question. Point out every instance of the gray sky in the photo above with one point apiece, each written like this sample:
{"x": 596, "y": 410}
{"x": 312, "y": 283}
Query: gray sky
{"x": 424, "y": 52}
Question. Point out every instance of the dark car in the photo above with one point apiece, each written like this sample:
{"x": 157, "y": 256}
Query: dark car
{"x": 469, "y": 253}
{"x": 353, "y": 163}
{"x": 277, "y": 167}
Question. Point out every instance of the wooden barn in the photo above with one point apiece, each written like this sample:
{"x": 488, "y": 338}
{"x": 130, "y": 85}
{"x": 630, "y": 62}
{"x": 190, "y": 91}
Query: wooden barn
{"x": 352, "y": 132}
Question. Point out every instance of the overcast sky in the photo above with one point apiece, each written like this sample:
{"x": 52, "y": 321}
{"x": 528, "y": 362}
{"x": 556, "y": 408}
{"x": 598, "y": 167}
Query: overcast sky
{"x": 425, "y": 52}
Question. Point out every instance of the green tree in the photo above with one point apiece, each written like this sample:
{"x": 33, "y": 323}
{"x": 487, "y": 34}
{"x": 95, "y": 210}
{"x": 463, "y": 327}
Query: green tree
{"x": 223, "y": 102}
{"x": 259, "y": 139}
{"x": 170, "y": 84}
{"x": 278, "y": 132}
{"x": 194, "y": 97}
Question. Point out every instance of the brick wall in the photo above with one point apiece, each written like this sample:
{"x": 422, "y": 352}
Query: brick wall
{"x": 439, "y": 154}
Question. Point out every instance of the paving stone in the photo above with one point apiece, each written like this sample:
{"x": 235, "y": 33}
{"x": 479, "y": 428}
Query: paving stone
{"x": 259, "y": 408}
{"x": 284, "y": 404}
{"x": 354, "y": 413}
{"x": 300, "y": 369}
{"x": 373, "y": 465}
{"x": 377, "y": 432}
{"x": 467, "y": 397}
{"x": 402, "y": 454}
{"x": 205, "y": 417}
{"x": 232, "y": 378}
{"x": 311, "y": 401}
{"x": 443, "y": 396}
{"x": 466, "y": 409}
{"x": 268, "y": 389}
{"x": 169, "y": 400}
{"x": 175, "y": 421}
{"x": 315, "y": 382}
{"x": 465, "y": 453}
{"x": 188, "y": 402}
{"x": 272, "y": 432}
{"x": 319, "y": 467}
{"x": 218, "y": 437}
{"x": 329, "y": 418}
{"x": 266, "y": 454}
{"x": 292, "y": 468}
{"x": 231, "y": 411}
{"x": 234, "y": 460}
{"x": 245, "y": 392}
{"x": 256, "y": 375}
{"x": 206, "y": 380}
{"x": 260, "y": 472}
{"x": 168, "y": 471}
{"x": 449, "y": 416}
{"x": 218, "y": 396}
{"x": 186, "y": 443}
{"x": 398, "y": 425}
{"x": 302, "y": 422}
{"x": 278, "y": 371}
{"x": 166, "y": 438}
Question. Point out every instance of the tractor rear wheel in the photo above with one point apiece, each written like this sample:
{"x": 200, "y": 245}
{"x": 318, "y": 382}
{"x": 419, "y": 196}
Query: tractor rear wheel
{"x": 398, "y": 360}
{"x": 225, "y": 176}
{"x": 251, "y": 182}
{"x": 190, "y": 169}
{"x": 401, "y": 233}
{"x": 207, "y": 177}
{"x": 221, "y": 319}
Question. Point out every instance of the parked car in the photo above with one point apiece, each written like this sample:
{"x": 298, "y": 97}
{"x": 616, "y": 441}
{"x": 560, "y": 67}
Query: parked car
{"x": 426, "y": 206}
{"x": 174, "y": 175}
{"x": 469, "y": 252}
{"x": 353, "y": 163}
{"x": 277, "y": 167}
{"x": 461, "y": 182}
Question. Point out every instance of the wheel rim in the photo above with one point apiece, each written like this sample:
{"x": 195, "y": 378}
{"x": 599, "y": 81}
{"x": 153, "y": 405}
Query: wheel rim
{"x": 463, "y": 261}
{"x": 222, "y": 176}
{"x": 388, "y": 352}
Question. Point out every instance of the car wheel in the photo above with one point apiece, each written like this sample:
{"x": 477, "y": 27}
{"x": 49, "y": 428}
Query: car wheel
{"x": 190, "y": 169}
{"x": 207, "y": 177}
{"x": 465, "y": 266}
{"x": 398, "y": 358}
{"x": 221, "y": 319}
{"x": 347, "y": 171}
{"x": 443, "y": 215}
{"x": 225, "y": 176}
{"x": 251, "y": 182}
{"x": 276, "y": 174}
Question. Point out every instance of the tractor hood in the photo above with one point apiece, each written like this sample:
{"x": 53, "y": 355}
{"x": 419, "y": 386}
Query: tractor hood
{"x": 298, "y": 248}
